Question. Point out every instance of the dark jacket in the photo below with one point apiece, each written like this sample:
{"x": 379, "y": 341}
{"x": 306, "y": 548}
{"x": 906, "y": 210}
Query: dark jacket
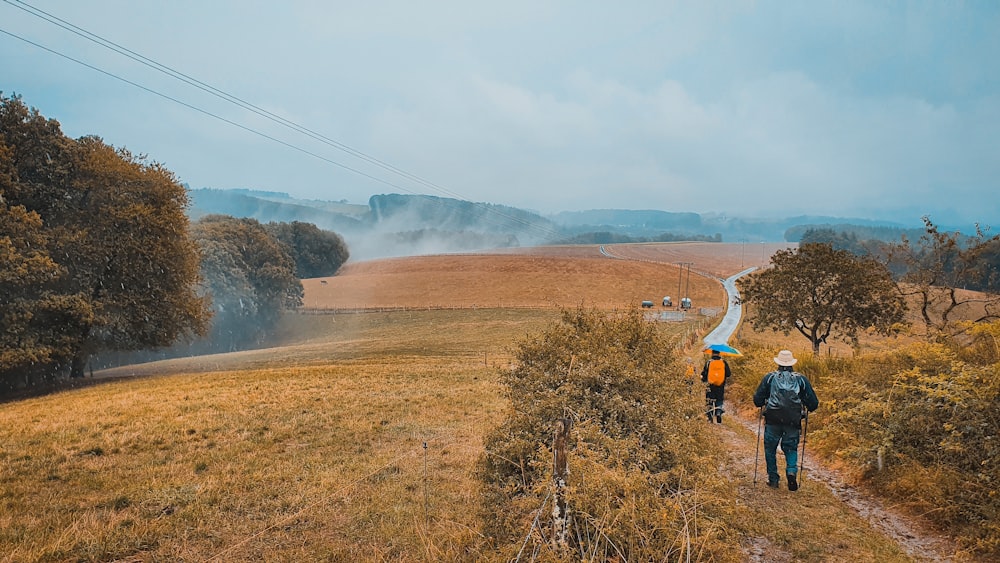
{"x": 806, "y": 395}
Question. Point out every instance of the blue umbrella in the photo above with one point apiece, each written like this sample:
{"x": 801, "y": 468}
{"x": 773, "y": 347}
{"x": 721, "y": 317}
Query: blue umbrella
{"x": 723, "y": 350}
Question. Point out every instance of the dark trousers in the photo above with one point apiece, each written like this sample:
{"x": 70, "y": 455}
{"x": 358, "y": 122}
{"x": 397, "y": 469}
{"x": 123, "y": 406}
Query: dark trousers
{"x": 788, "y": 437}
{"x": 714, "y": 396}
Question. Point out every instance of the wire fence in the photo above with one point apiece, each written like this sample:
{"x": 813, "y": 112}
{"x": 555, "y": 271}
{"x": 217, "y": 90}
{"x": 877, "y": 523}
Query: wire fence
{"x": 410, "y": 308}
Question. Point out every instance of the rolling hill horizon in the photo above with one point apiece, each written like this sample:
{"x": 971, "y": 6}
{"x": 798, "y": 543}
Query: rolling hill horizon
{"x": 401, "y": 225}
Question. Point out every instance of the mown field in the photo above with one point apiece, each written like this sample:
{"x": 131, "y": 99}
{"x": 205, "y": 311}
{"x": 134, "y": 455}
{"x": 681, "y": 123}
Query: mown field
{"x": 541, "y": 277}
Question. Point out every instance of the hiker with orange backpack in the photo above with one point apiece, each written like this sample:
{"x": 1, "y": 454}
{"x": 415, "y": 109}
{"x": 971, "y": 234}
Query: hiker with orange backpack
{"x": 787, "y": 397}
{"x": 715, "y": 373}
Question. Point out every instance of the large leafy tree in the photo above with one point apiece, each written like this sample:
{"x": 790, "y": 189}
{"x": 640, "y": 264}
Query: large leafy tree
{"x": 33, "y": 316}
{"x": 818, "y": 291}
{"x": 316, "y": 252}
{"x": 249, "y": 276}
{"x": 938, "y": 267}
{"x": 114, "y": 227}
{"x": 133, "y": 255}
{"x": 35, "y": 321}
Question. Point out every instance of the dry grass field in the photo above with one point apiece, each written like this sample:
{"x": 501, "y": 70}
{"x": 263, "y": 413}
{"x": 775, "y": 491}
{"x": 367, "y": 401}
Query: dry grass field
{"x": 284, "y": 464}
{"x": 557, "y": 276}
{"x": 352, "y": 437}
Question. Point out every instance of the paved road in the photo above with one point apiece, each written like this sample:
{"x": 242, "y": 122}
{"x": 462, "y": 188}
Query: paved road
{"x": 734, "y": 312}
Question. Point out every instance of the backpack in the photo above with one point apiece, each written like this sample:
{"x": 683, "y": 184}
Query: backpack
{"x": 717, "y": 373}
{"x": 784, "y": 401}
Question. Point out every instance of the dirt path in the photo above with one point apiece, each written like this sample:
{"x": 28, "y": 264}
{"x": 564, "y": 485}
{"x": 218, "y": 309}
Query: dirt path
{"x": 920, "y": 545}
{"x": 827, "y": 519}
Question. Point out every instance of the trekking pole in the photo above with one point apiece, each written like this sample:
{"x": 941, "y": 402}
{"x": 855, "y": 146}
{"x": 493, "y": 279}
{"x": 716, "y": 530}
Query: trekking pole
{"x": 760, "y": 420}
{"x": 802, "y": 457}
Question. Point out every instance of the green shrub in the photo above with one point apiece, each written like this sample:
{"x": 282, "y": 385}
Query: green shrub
{"x": 635, "y": 447}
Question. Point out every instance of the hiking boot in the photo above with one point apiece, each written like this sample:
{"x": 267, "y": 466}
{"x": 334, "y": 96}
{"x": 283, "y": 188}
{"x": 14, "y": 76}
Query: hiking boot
{"x": 772, "y": 484}
{"x": 792, "y": 483}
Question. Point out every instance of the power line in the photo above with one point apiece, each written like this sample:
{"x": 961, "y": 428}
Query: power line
{"x": 262, "y": 134}
{"x": 206, "y": 112}
{"x": 199, "y": 84}
{"x": 111, "y": 45}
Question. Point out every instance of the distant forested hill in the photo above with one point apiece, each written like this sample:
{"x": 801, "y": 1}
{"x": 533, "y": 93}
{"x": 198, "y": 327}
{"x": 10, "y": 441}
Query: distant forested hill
{"x": 651, "y": 224}
{"x": 646, "y": 219}
{"x": 272, "y": 207}
{"x": 390, "y": 225}
{"x": 456, "y": 214}
{"x": 403, "y": 224}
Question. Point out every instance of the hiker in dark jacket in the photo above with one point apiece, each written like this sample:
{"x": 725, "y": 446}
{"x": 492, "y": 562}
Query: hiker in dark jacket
{"x": 715, "y": 394}
{"x": 786, "y": 396}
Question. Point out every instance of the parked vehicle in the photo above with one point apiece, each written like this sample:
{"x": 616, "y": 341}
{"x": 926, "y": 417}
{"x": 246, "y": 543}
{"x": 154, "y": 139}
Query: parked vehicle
{"x": 686, "y": 303}
{"x": 668, "y": 302}
{"x": 647, "y": 304}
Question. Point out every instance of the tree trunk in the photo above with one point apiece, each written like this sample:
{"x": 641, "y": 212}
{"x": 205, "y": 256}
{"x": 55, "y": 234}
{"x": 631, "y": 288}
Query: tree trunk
{"x": 78, "y": 365}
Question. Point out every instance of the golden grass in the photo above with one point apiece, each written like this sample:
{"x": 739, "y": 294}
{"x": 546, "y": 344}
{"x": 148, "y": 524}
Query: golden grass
{"x": 193, "y": 466}
{"x": 312, "y": 339}
{"x": 319, "y": 456}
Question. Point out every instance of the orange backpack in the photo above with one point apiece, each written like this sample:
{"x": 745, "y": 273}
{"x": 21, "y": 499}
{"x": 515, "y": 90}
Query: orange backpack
{"x": 717, "y": 373}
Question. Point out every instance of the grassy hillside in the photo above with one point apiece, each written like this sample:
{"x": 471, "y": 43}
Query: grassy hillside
{"x": 318, "y": 455}
{"x": 354, "y": 437}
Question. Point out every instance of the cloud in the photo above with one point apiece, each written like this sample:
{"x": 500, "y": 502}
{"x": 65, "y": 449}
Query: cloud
{"x": 760, "y": 107}
{"x": 781, "y": 137}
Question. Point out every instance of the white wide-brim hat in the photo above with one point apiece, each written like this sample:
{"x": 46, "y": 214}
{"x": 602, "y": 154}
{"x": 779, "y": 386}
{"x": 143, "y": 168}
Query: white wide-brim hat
{"x": 785, "y": 358}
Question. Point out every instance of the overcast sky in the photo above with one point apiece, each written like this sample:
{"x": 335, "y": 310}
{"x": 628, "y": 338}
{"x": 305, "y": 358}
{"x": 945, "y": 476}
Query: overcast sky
{"x": 877, "y": 109}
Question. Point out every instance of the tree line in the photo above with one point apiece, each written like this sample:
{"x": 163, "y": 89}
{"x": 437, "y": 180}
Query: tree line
{"x": 959, "y": 260}
{"x": 831, "y": 233}
{"x": 97, "y": 255}
{"x": 835, "y": 284}
{"x": 608, "y": 237}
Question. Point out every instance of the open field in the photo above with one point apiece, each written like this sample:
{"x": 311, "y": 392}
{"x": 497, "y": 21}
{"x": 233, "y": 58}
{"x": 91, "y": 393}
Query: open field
{"x": 311, "y": 339}
{"x": 352, "y": 437}
{"x": 559, "y": 276}
{"x": 310, "y": 449}
{"x": 285, "y": 464}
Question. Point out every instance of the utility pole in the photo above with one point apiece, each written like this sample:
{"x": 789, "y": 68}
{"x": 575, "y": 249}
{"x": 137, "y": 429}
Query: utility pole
{"x": 687, "y": 281}
{"x": 680, "y": 279}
